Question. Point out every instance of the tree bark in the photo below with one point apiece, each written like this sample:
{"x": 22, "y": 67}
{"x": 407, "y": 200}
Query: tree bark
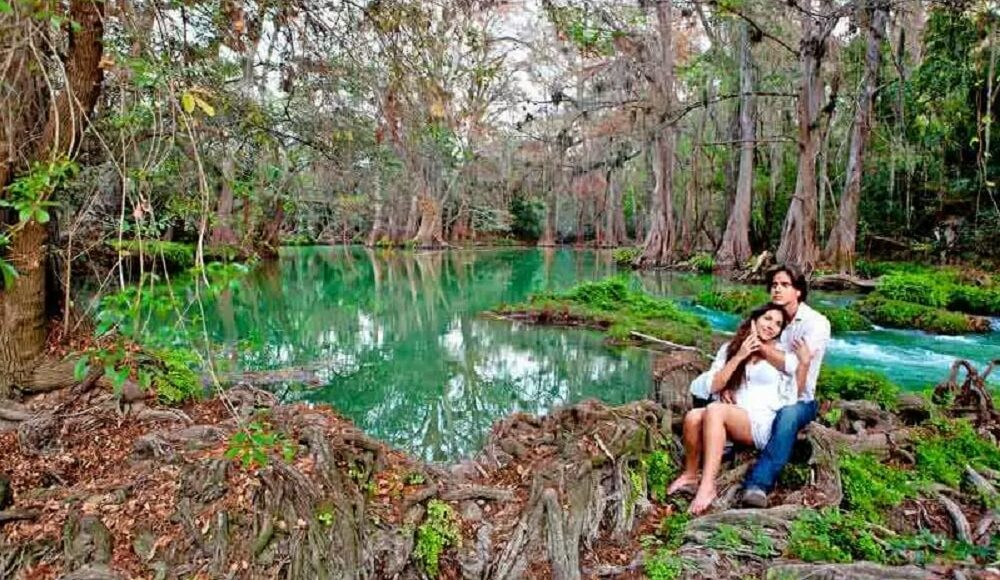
{"x": 222, "y": 230}
{"x": 735, "y": 248}
{"x": 840, "y": 248}
{"x": 22, "y": 307}
{"x": 429, "y": 235}
{"x": 659, "y": 246}
{"x": 798, "y": 235}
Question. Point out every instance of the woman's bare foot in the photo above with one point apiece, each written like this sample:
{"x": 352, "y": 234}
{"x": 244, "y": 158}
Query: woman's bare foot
{"x": 683, "y": 480}
{"x": 703, "y": 500}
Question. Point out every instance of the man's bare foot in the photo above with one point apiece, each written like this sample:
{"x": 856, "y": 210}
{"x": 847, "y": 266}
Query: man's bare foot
{"x": 703, "y": 500}
{"x": 683, "y": 480}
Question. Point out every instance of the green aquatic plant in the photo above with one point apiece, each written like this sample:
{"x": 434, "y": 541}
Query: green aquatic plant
{"x": 899, "y": 314}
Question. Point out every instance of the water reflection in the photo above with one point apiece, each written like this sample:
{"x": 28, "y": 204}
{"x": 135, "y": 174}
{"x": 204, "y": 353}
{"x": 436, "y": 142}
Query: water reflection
{"x": 399, "y": 347}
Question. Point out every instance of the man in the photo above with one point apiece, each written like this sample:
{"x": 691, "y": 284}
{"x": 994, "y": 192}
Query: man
{"x": 807, "y": 335}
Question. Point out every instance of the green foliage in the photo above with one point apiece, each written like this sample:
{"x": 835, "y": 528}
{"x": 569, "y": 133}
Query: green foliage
{"x": 660, "y": 469}
{"x": 414, "y": 478}
{"x": 899, "y": 314}
{"x": 175, "y": 254}
{"x": 953, "y": 444}
{"x": 703, "y": 262}
{"x": 613, "y": 303}
{"x": 848, "y": 384}
{"x": 871, "y": 487}
{"x": 438, "y": 532}
{"x": 7, "y": 272}
{"x": 663, "y": 564}
{"x": 527, "y": 217}
{"x": 929, "y": 290}
{"x": 625, "y": 256}
{"x": 172, "y": 372}
{"x": 734, "y": 301}
{"x": 794, "y": 476}
{"x": 29, "y": 193}
{"x": 830, "y": 535}
{"x": 925, "y": 548}
{"x": 672, "y": 528}
{"x": 844, "y": 319}
{"x": 253, "y": 445}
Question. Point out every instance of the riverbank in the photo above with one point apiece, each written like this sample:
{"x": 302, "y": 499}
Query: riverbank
{"x": 105, "y": 489}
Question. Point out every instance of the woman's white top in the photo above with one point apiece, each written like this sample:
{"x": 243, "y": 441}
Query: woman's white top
{"x": 763, "y": 392}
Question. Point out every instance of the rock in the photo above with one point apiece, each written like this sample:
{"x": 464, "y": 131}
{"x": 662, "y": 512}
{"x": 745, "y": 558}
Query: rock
{"x": 471, "y": 512}
{"x": 38, "y": 434}
{"x": 86, "y": 541}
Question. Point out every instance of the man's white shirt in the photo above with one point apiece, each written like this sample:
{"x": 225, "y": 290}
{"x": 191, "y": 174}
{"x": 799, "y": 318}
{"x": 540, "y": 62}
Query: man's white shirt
{"x": 815, "y": 329}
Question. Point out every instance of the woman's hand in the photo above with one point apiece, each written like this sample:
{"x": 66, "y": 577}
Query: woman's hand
{"x": 751, "y": 344}
{"x": 727, "y": 396}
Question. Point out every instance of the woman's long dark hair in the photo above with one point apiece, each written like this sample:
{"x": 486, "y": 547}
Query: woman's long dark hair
{"x": 736, "y": 379}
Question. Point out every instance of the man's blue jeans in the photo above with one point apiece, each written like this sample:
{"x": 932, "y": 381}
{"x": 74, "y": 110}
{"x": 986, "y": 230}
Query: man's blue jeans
{"x": 787, "y": 424}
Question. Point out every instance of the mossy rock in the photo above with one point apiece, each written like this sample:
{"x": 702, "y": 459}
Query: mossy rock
{"x": 900, "y": 314}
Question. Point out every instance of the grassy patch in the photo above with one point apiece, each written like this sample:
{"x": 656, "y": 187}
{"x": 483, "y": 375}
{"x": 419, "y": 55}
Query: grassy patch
{"x": 660, "y": 470}
{"x": 613, "y": 304}
{"x": 899, "y": 314}
{"x": 953, "y": 444}
{"x": 942, "y": 289}
{"x": 625, "y": 256}
{"x": 842, "y": 383}
{"x": 734, "y": 300}
{"x": 871, "y": 487}
{"x": 830, "y": 535}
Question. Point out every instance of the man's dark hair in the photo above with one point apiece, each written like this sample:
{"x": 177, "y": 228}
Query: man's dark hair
{"x": 799, "y": 281}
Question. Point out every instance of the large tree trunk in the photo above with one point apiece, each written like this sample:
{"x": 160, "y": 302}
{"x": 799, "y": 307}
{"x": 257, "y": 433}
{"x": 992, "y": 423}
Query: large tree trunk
{"x": 840, "y": 248}
{"x": 429, "y": 235}
{"x": 222, "y": 230}
{"x": 63, "y": 117}
{"x": 735, "y": 248}
{"x": 798, "y": 235}
{"x": 659, "y": 247}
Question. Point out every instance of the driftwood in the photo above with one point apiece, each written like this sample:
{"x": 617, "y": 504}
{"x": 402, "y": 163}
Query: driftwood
{"x": 843, "y": 282}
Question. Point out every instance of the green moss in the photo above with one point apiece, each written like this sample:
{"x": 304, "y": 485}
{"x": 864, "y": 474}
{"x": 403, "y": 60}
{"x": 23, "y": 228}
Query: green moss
{"x": 871, "y": 487}
{"x": 672, "y": 529}
{"x": 663, "y": 564}
{"x": 830, "y": 535}
{"x": 953, "y": 444}
{"x": 438, "y": 532}
{"x": 734, "y": 300}
{"x": 900, "y": 314}
{"x": 177, "y": 255}
{"x": 614, "y": 305}
{"x": 841, "y": 383}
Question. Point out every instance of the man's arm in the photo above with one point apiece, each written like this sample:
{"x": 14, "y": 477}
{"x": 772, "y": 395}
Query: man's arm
{"x": 812, "y": 342}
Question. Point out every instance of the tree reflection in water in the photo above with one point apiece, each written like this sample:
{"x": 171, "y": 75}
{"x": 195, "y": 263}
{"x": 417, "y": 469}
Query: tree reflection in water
{"x": 400, "y": 346}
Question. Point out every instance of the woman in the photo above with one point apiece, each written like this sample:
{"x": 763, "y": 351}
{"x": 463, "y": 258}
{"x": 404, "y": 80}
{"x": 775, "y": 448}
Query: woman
{"x": 753, "y": 391}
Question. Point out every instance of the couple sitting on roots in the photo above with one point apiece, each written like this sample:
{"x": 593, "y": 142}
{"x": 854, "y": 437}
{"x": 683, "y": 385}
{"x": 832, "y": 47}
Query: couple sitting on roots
{"x": 759, "y": 391}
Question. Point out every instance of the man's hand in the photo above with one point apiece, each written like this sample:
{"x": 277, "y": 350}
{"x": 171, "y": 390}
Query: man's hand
{"x": 802, "y": 351}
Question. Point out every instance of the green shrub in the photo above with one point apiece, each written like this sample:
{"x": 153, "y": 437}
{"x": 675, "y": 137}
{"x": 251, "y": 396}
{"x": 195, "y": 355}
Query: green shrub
{"x": 871, "y": 487}
{"x": 253, "y": 445}
{"x": 900, "y": 314}
{"x": 663, "y": 564}
{"x": 438, "y": 532}
{"x": 927, "y": 289}
{"x": 975, "y": 300}
{"x": 943, "y": 455}
{"x": 175, "y": 254}
{"x": 830, "y": 535}
{"x": 672, "y": 528}
{"x": 527, "y": 217}
{"x": 844, "y": 319}
{"x": 735, "y": 301}
{"x": 173, "y": 374}
{"x": 703, "y": 262}
{"x": 660, "y": 469}
{"x": 625, "y": 256}
{"x": 847, "y": 384}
